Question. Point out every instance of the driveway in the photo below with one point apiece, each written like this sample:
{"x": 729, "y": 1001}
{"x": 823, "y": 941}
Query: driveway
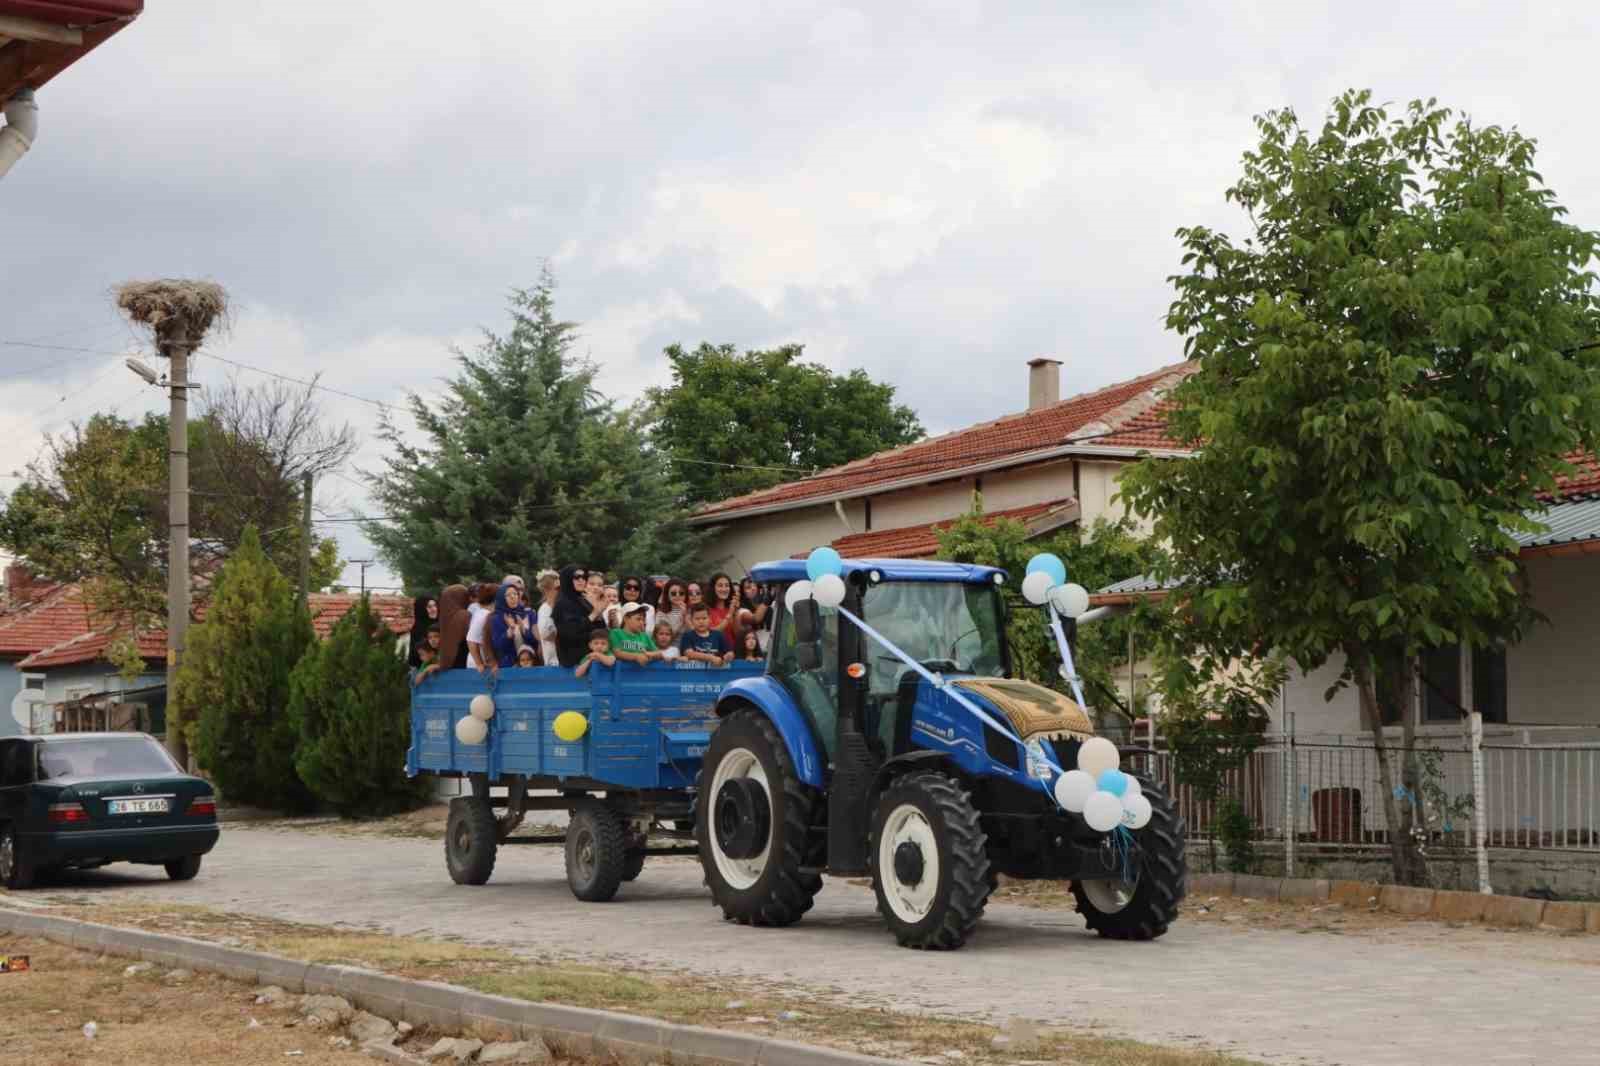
{"x": 1407, "y": 993}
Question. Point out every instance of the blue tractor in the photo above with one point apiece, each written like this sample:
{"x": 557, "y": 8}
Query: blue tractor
{"x": 887, "y": 738}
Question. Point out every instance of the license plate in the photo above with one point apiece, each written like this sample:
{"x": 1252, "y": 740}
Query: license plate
{"x": 158, "y": 805}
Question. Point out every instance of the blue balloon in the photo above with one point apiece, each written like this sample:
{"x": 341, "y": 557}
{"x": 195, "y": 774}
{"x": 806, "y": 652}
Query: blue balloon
{"x": 1050, "y": 564}
{"x": 823, "y": 560}
{"x": 1113, "y": 781}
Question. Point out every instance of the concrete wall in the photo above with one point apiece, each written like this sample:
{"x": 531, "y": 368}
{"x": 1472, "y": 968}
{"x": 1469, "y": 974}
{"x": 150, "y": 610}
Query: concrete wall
{"x": 737, "y": 546}
{"x": 1569, "y": 874}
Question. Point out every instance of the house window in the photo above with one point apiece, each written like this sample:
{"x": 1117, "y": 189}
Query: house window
{"x": 1441, "y": 690}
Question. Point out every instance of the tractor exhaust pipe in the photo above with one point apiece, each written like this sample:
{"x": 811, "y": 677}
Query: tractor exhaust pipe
{"x": 20, "y": 130}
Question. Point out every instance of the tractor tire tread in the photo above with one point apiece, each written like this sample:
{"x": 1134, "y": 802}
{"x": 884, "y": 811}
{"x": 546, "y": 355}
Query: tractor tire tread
{"x": 971, "y": 877}
{"x": 477, "y": 865}
{"x": 611, "y": 851}
{"x": 1163, "y": 882}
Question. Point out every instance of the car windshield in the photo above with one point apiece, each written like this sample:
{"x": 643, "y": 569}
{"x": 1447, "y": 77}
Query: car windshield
{"x": 131, "y": 756}
{"x": 945, "y": 625}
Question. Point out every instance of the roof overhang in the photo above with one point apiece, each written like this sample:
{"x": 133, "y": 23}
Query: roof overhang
{"x": 41, "y": 38}
{"x": 878, "y": 488}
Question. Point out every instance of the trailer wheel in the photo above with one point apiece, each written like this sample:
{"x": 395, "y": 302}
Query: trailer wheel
{"x": 930, "y": 866}
{"x": 751, "y": 822}
{"x": 633, "y": 865}
{"x": 597, "y": 851}
{"x": 471, "y": 839}
{"x": 1145, "y": 908}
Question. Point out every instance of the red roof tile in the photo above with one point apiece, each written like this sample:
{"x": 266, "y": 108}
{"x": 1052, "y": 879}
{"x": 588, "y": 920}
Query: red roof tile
{"x": 921, "y": 542}
{"x": 1127, "y": 410}
{"x": 60, "y": 616}
{"x": 1585, "y": 482}
{"x": 62, "y": 646}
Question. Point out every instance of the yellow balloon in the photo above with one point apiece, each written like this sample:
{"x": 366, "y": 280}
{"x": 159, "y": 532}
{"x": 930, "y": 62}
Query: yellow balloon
{"x": 570, "y": 725}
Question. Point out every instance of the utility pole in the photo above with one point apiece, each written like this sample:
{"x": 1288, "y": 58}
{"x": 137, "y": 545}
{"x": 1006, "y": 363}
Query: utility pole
{"x": 177, "y": 348}
{"x": 305, "y": 539}
{"x": 363, "y": 563}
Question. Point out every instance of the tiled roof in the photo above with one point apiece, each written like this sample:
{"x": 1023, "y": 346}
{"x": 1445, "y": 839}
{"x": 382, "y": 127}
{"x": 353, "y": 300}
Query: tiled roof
{"x": 1125, "y": 415}
{"x": 1585, "y": 481}
{"x": 57, "y": 642}
{"x": 921, "y": 542}
{"x": 59, "y": 616}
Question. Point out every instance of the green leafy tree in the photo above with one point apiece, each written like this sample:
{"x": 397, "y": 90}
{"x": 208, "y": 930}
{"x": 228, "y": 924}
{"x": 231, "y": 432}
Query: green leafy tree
{"x": 733, "y": 423}
{"x": 349, "y": 702}
{"x": 524, "y": 465}
{"x": 233, "y": 685}
{"x": 1110, "y": 551}
{"x": 1391, "y": 369}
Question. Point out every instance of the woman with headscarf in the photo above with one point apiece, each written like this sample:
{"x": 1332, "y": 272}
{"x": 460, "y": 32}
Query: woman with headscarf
{"x": 424, "y": 613}
{"x": 510, "y": 627}
{"x": 453, "y": 622}
{"x": 575, "y": 616}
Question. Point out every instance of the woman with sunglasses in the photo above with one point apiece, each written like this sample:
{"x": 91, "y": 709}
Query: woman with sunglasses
{"x": 673, "y": 606}
{"x": 631, "y": 590}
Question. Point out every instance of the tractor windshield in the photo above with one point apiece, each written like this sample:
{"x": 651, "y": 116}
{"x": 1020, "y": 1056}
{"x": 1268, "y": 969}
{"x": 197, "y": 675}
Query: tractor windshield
{"x": 946, "y": 626}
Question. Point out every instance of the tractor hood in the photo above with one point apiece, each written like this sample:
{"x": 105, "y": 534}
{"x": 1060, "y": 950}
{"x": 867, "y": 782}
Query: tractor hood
{"x": 1033, "y": 710}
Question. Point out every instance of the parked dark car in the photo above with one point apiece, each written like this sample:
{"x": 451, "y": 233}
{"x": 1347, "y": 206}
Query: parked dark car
{"x": 80, "y": 800}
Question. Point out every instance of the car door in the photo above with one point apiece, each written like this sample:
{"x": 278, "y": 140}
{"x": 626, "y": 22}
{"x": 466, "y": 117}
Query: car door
{"x": 16, "y": 774}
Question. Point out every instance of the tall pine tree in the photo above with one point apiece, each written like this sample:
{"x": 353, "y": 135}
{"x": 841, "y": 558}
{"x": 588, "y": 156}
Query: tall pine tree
{"x": 526, "y": 466}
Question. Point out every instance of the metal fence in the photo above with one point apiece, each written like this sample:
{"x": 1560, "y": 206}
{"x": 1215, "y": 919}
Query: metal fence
{"x": 1540, "y": 789}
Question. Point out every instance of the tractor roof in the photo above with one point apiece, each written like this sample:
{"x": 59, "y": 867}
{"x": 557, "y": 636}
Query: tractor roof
{"x": 892, "y": 570}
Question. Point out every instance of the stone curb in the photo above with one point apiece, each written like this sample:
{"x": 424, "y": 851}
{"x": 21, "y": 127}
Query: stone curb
{"x": 1442, "y": 904}
{"x": 570, "y": 1029}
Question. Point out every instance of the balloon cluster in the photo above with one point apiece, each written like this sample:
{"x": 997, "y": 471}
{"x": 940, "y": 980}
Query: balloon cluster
{"x": 1046, "y": 582}
{"x": 824, "y": 580}
{"x": 474, "y": 728}
{"x": 1103, "y": 794}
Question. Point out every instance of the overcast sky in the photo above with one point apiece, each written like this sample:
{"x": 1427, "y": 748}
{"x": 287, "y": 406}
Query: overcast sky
{"x": 934, "y": 192}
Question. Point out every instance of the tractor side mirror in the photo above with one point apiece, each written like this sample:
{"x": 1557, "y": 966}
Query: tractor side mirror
{"x": 807, "y": 621}
{"x": 807, "y": 634}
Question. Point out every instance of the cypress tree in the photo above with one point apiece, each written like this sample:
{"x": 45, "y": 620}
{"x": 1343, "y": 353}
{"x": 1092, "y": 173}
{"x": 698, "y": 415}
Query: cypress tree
{"x": 235, "y": 679}
{"x": 350, "y": 705}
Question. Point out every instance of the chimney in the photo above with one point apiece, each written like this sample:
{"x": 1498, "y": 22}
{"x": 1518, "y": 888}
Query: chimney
{"x": 1044, "y": 382}
{"x": 19, "y": 581}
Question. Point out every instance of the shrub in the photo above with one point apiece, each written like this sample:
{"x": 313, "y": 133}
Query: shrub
{"x": 233, "y": 684}
{"x": 1235, "y": 832}
{"x": 350, "y": 704}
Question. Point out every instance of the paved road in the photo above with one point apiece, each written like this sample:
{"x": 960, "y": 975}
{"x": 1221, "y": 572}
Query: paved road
{"x": 1413, "y": 993}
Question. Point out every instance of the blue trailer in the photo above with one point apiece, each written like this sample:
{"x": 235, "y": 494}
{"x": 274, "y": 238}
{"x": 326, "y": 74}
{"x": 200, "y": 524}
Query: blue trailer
{"x": 626, "y": 776}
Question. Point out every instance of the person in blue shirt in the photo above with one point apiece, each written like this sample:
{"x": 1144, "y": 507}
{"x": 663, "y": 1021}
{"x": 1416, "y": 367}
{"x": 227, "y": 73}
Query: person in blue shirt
{"x": 701, "y": 643}
{"x": 510, "y": 626}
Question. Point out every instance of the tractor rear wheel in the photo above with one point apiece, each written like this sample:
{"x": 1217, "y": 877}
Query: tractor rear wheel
{"x": 930, "y": 869}
{"x": 1144, "y": 908}
{"x": 752, "y": 816}
{"x": 471, "y": 839}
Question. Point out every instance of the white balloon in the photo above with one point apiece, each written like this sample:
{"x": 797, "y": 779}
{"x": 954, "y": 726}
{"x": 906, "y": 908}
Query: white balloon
{"x": 1069, "y": 600}
{"x": 1133, "y": 789}
{"x": 472, "y": 730}
{"x": 1103, "y": 812}
{"x": 1136, "y": 811}
{"x": 1073, "y": 788}
{"x": 828, "y": 590}
{"x": 800, "y": 590}
{"x": 1096, "y": 755}
{"x": 482, "y": 707}
{"x": 1036, "y": 586}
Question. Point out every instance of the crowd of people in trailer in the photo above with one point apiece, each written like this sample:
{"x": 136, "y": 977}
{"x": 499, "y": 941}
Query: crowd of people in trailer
{"x": 577, "y": 617}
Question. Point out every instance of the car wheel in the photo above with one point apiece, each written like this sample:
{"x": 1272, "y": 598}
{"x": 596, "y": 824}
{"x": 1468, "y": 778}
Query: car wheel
{"x": 16, "y": 869}
{"x": 183, "y": 869}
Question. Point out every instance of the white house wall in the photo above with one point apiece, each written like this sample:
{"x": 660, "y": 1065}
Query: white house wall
{"x": 1553, "y": 675}
{"x": 740, "y": 545}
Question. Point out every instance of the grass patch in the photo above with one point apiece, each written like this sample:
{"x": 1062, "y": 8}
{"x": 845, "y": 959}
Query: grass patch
{"x": 792, "y": 1013}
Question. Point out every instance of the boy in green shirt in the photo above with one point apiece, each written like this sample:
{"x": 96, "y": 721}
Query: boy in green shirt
{"x": 631, "y": 642}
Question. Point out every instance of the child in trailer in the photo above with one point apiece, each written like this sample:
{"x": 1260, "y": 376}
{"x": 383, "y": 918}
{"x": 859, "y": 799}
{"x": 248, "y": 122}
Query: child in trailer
{"x": 701, "y": 643}
{"x": 427, "y": 664}
{"x": 525, "y": 657}
{"x": 750, "y": 649}
{"x": 599, "y": 651}
{"x": 629, "y": 641}
{"x": 666, "y": 640}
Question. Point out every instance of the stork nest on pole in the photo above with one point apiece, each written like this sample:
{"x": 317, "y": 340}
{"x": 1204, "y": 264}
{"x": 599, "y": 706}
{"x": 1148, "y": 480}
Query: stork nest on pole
{"x": 174, "y": 308}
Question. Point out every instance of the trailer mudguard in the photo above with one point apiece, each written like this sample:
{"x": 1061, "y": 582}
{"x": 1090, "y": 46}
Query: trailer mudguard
{"x": 769, "y": 697}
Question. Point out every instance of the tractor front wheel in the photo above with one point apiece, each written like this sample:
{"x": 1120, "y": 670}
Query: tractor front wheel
{"x": 930, "y": 869}
{"x": 1143, "y": 908}
{"x": 751, "y": 820}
